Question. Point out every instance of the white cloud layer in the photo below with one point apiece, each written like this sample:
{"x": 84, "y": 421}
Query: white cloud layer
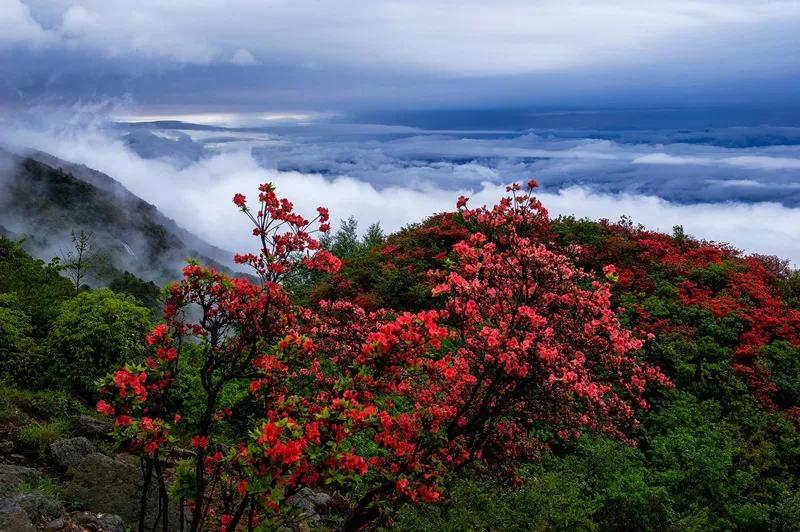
{"x": 198, "y": 193}
{"x": 468, "y": 37}
{"x": 17, "y": 26}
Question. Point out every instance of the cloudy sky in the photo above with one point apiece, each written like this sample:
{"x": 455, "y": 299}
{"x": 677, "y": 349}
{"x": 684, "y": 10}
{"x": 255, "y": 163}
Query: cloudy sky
{"x": 384, "y": 54}
{"x": 671, "y": 112}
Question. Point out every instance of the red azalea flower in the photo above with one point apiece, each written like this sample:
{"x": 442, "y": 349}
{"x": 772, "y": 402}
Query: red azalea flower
{"x": 199, "y": 442}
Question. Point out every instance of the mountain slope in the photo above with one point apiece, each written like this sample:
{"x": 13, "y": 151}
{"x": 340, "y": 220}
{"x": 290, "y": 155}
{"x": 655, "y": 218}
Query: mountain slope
{"x": 44, "y": 198}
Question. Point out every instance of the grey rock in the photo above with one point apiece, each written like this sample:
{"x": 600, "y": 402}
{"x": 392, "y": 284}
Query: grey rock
{"x": 39, "y": 507}
{"x": 318, "y": 499}
{"x": 110, "y": 523}
{"x": 91, "y": 426}
{"x": 71, "y": 451}
{"x": 12, "y": 477}
{"x": 13, "y": 518}
{"x": 306, "y": 500}
{"x": 8, "y": 506}
{"x": 6, "y": 447}
{"x": 128, "y": 458}
{"x": 102, "y": 484}
{"x": 56, "y": 524}
{"x": 321, "y": 500}
{"x": 84, "y": 519}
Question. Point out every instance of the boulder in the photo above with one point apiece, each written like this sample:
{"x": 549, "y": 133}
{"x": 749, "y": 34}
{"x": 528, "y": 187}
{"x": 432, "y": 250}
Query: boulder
{"x": 93, "y": 427}
{"x": 57, "y": 525}
{"x": 102, "y": 484}
{"x": 321, "y": 500}
{"x": 39, "y": 507}
{"x": 311, "y": 502}
{"x": 110, "y": 523}
{"x": 71, "y": 451}
{"x": 82, "y": 521}
{"x": 12, "y": 477}
{"x": 13, "y": 518}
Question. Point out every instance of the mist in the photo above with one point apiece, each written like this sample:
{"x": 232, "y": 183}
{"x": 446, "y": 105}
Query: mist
{"x": 746, "y": 197}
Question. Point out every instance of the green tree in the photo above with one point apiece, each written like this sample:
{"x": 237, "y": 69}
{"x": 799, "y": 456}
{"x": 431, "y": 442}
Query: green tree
{"x": 82, "y": 260}
{"x": 37, "y": 287}
{"x": 344, "y": 243}
{"x": 21, "y": 359}
{"x": 147, "y": 292}
{"x": 96, "y": 332}
{"x": 373, "y": 237}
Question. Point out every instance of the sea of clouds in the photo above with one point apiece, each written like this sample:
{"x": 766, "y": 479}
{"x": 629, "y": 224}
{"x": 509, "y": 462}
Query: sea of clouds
{"x": 734, "y": 185}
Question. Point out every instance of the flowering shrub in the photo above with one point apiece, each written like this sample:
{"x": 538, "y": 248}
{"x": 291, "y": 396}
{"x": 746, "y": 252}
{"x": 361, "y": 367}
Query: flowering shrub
{"x": 678, "y": 288}
{"x": 286, "y": 237}
{"x": 394, "y": 274}
{"x": 382, "y": 405}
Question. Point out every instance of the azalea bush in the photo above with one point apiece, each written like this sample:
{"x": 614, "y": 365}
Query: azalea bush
{"x": 523, "y": 350}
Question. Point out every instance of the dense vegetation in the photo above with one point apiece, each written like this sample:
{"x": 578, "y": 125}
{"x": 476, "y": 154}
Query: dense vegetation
{"x": 719, "y": 452}
{"x": 333, "y": 392}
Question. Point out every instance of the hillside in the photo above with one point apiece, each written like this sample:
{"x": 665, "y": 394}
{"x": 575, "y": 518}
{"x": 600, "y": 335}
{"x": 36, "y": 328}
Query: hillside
{"x": 718, "y": 452}
{"x": 43, "y": 199}
{"x": 485, "y": 369}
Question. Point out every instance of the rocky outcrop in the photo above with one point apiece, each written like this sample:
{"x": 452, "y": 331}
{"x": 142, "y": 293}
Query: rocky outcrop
{"x": 92, "y": 427}
{"x": 12, "y": 477}
{"x": 71, "y": 451}
{"x": 39, "y": 507}
{"x": 102, "y": 484}
{"x": 83, "y": 521}
{"x": 311, "y": 502}
{"x": 13, "y": 518}
{"x": 24, "y": 510}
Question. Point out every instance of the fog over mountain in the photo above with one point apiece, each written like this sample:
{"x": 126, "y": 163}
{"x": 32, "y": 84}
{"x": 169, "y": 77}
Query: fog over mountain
{"x": 45, "y": 201}
{"x": 733, "y": 184}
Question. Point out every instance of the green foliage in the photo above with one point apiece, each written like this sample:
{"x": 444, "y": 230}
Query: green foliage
{"x": 47, "y": 486}
{"x": 344, "y": 243}
{"x": 373, "y": 237}
{"x": 22, "y": 405}
{"x": 618, "y": 482}
{"x": 93, "y": 332}
{"x": 21, "y": 359}
{"x": 790, "y": 286}
{"x": 692, "y": 453}
{"x": 37, "y": 287}
{"x": 39, "y": 437}
{"x": 32, "y": 420}
{"x": 548, "y": 500}
{"x": 147, "y": 292}
{"x": 783, "y": 362}
{"x": 709, "y": 455}
{"x": 572, "y": 230}
{"x": 82, "y": 260}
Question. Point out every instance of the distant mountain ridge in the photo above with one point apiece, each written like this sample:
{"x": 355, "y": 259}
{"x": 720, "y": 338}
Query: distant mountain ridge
{"x": 43, "y": 198}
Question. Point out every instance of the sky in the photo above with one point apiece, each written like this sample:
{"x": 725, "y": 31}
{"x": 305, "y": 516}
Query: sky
{"x": 672, "y": 113}
{"x": 387, "y": 54}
